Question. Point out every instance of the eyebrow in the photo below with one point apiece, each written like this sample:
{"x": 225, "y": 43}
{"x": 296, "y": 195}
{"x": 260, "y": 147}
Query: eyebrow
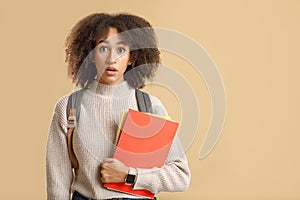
{"x": 107, "y": 42}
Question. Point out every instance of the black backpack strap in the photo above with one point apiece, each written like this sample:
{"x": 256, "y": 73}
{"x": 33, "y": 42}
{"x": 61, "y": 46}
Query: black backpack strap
{"x": 74, "y": 101}
{"x": 73, "y": 114}
{"x": 143, "y": 101}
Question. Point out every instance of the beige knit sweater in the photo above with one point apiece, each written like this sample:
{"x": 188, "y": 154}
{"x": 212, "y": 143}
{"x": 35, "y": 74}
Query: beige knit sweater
{"x": 94, "y": 141}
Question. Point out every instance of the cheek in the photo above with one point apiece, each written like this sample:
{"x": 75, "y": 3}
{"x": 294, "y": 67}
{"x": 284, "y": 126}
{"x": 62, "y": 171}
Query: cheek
{"x": 124, "y": 61}
{"x": 99, "y": 58}
{"x": 100, "y": 62}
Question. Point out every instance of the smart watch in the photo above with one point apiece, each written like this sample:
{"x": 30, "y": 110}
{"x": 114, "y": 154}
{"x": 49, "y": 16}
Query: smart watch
{"x": 131, "y": 176}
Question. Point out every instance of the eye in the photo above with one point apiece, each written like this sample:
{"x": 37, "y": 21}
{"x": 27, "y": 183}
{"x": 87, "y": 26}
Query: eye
{"x": 103, "y": 49}
{"x": 121, "y": 50}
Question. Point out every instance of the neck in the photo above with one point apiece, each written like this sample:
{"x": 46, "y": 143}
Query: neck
{"x": 120, "y": 89}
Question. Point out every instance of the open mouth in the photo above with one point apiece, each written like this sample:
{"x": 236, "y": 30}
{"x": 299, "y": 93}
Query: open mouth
{"x": 111, "y": 69}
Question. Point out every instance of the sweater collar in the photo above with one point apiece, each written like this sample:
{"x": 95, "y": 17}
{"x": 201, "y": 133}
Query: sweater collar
{"x": 121, "y": 89}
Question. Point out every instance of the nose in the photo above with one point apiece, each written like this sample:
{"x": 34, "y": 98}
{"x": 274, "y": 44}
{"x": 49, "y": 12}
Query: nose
{"x": 112, "y": 57}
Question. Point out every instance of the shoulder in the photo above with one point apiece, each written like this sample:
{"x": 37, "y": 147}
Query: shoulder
{"x": 157, "y": 106}
{"x": 60, "y": 109}
{"x": 61, "y": 104}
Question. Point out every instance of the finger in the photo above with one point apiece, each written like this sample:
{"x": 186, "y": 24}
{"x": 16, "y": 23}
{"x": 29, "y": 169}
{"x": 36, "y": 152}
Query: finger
{"x": 102, "y": 171}
{"x": 104, "y": 166}
{"x": 102, "y": 180}
{"x": 107, "y": 165}
{"x": 106, "y": 178}
{"x": 108, "y": 160}
{"x": 103, "y": 177}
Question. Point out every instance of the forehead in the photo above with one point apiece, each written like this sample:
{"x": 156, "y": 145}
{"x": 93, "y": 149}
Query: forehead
{"x": 112, "y": 37}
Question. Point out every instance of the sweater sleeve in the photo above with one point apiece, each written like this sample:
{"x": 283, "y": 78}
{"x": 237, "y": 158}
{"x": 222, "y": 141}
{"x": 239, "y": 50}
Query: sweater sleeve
{"x": 58, "y": 164}
{"x": 174, "y": 176}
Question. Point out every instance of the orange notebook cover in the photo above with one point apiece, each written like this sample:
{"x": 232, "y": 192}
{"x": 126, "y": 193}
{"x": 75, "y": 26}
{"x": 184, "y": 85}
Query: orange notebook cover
{"x": 144, "y": 142}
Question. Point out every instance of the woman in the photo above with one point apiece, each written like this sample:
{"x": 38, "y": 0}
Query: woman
{"x": 110, "y": 62}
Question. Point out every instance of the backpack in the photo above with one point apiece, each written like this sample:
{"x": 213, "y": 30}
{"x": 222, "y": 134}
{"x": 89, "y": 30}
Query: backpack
{"x": 73, "y": 114}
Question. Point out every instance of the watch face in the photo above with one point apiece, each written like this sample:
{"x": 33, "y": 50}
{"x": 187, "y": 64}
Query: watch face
{"x": 130, "y": 179}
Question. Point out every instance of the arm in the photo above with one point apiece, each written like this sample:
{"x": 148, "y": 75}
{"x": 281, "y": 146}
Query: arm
{"x": 174, "y": 175}
{"x": 58, "y": 164}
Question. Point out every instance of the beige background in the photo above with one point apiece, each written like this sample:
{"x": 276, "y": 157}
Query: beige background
{"x": 255, "y": 45}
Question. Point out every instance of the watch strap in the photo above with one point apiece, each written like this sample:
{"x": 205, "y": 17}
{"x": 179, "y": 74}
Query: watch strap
{"x": 131, "y": 176}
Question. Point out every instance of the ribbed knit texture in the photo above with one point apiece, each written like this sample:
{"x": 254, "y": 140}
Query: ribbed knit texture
{"x": 93, "y": 141}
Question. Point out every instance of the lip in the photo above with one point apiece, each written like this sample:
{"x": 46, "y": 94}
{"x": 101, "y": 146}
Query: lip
{"x": 111, "y": 68}
{"x": 111, "y": 71}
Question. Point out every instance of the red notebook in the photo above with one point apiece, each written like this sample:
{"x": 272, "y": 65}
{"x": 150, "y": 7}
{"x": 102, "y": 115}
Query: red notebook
{"x": 144, "y": 142}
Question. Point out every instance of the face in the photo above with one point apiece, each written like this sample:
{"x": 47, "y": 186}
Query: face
{"x": 111, "y": 58}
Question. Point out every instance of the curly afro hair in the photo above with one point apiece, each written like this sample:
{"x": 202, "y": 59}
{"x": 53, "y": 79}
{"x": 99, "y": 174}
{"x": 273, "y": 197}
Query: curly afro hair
{"x": 144, "y": 54}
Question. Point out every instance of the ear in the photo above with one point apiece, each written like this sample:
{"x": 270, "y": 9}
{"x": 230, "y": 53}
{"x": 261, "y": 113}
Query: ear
{"x": 131, "y": 61}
